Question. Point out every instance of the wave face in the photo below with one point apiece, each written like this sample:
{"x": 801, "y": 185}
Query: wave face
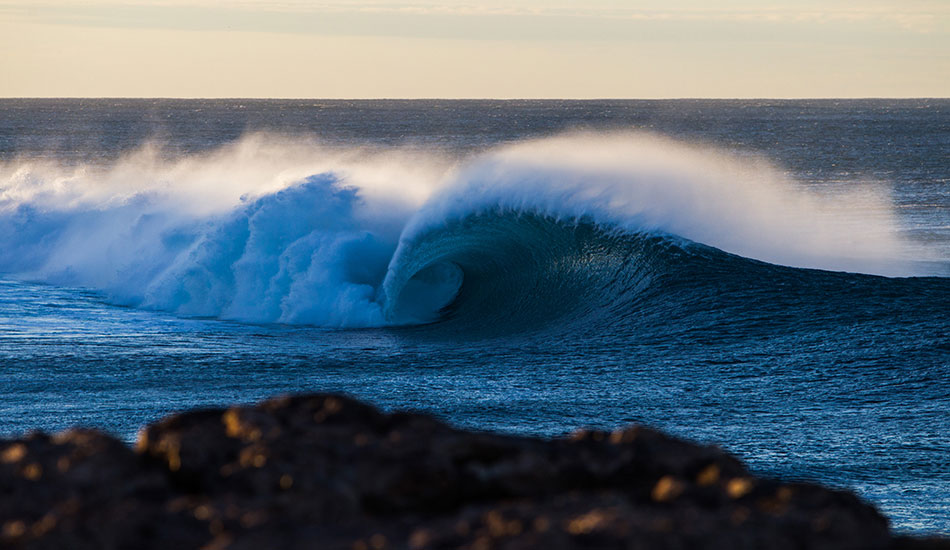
{"x": 269, "y": 229}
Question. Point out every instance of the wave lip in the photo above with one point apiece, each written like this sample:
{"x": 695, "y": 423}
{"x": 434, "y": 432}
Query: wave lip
{"x": 635, "y": 182}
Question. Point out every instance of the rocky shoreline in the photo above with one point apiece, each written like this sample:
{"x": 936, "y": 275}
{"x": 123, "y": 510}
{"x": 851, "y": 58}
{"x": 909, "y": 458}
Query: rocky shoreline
{"x": 327, "y": 471}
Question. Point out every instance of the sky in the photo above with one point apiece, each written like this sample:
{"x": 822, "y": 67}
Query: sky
{"x": 483, "y": 49}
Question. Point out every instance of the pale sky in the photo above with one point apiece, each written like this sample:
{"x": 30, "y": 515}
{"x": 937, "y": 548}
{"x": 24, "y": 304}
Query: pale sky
{"x": 484, "y": 49}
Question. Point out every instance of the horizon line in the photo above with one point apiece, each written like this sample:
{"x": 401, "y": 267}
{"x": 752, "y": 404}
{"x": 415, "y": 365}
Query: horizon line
{"x": 546, "y": 98}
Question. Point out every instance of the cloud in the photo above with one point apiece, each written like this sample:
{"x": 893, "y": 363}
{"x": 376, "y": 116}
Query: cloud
{"x": 387, "y": 17}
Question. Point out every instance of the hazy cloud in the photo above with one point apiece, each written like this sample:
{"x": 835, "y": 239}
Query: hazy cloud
{"x": 922, "y": 16}
{"x": 489, "y": 48}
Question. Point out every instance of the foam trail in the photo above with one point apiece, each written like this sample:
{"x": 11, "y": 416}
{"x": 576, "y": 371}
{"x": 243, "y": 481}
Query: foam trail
{"x": 265, "y": 229}
{"x": 273, "y": 229}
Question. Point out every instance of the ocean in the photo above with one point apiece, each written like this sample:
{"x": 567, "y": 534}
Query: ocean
{"x": 770, "y": 276}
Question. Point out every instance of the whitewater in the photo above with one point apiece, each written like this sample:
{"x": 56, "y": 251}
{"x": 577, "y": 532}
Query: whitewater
{"x": 770, "y": 276}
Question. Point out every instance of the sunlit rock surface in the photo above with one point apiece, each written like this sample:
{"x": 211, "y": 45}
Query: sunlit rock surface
{"x": 327, "y": 471}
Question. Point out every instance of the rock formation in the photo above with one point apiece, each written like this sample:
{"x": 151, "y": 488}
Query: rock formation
{"x": 327, "y": 471}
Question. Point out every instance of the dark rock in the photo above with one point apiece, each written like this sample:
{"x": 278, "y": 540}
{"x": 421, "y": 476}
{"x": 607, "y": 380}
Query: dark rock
{"x": 326, "y": 471}
{"x": 83, "y": 489}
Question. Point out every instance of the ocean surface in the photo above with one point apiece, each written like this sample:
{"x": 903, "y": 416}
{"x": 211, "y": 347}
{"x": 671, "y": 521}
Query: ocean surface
{"x": 771, "y": 276}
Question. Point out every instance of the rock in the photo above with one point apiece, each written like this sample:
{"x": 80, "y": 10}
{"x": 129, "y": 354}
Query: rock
{"x": 327, "y": 471}
{"x": 84, "y": 489}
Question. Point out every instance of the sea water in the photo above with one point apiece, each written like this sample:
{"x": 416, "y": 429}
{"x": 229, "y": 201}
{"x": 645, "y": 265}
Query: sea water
{"x": 770, "y": 276}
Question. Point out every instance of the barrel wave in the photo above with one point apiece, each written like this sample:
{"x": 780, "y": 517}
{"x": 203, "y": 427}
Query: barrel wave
{"x": 512, "y": 270}
{"x": 514, "y": 273}
{"x": 579, "y": 230}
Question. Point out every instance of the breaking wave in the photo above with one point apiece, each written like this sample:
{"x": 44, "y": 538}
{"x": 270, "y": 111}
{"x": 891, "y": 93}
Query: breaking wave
{"x": 273, "y": 229}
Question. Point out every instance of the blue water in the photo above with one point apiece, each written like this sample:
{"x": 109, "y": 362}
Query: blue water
{"x": 771, "y": 276}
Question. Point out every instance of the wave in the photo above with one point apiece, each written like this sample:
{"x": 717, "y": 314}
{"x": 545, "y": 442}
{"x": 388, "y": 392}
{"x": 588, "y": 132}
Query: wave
{"x": 274, "y": 229}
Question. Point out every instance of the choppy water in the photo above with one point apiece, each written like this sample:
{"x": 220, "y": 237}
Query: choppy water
{"x": 771, "y": 276}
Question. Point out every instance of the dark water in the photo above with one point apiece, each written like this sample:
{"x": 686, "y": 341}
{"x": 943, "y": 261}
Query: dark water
{"x": 781, "y": 290}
